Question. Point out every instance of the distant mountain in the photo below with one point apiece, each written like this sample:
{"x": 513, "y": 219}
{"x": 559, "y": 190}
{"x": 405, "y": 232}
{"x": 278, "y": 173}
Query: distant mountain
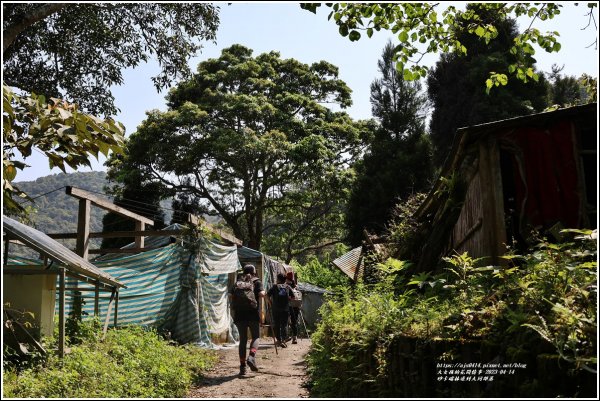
{"x": 56, "y": 212}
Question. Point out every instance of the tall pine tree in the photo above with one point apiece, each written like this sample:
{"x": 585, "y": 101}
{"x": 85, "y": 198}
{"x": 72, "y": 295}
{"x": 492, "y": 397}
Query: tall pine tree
{"x": 398, "y": 160}
{"x": 456, "y": 85}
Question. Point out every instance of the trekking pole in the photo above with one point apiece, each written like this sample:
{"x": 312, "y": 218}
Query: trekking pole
{"x": 304, "y": 323}
{"x": 272, "y": 329}
{"x": 297, "y": 316}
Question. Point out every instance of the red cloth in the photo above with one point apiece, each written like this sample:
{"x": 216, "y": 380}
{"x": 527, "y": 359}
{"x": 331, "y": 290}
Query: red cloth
{"x": 551, "y": 177}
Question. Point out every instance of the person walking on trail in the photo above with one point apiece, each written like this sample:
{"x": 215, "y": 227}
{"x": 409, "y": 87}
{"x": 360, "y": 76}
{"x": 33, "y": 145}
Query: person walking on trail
{"x": 245, "y": 297}
{"x": 295, "y": 304}
{"x": 280, "y": 295}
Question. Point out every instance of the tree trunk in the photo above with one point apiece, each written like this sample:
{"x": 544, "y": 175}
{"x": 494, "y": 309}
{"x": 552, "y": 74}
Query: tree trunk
{"x": 12, "y": 31}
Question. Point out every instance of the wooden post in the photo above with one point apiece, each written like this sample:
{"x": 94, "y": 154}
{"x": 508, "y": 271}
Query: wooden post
{"x": 139, "y": 240}
{"x": 107, "y": 318}
{"x": 491, "y": 198}
{"x": 357, "y": 271}
{"x": 116, "y": 307}
{"x": 61, "y": 314}
{"x": 97, "y": 300}
{"x": 83, "y": 228}
{"x": 6, "y": 242}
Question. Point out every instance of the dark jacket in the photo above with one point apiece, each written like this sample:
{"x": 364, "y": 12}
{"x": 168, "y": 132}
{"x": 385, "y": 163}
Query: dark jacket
{"x": 279, "y": 303}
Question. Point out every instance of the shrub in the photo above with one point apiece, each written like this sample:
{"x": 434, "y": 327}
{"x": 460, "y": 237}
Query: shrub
{"x": 548, "y": 295}
{"x": 131, "y": 362}
{"x": 321, "y": 272}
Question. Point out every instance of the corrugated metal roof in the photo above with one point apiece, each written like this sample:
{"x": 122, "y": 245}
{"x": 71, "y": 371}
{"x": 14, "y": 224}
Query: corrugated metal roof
{"x": 55, "y": 251}
{"x": 348, "y": 262}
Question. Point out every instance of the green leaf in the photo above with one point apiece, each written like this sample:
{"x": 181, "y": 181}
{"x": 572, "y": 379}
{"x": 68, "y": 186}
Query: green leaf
{"x": 479, "y": 31}
{"x": 400, "y": 67}
{"x": 403, "y": 36}
{"x": 354, "y": 36}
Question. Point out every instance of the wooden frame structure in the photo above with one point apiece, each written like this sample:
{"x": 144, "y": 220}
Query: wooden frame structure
{"x": 83, "y": 234}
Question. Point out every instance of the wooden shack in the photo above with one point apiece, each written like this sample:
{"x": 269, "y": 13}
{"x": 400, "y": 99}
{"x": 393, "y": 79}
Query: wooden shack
{"x": 505, "y": 179}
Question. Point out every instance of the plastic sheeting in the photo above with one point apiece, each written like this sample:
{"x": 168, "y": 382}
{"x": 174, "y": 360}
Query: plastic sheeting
{"x": 172, "y": 288}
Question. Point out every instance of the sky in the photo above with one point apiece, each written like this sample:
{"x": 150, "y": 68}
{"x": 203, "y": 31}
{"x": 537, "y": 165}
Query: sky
{"x": 309, "y": 38}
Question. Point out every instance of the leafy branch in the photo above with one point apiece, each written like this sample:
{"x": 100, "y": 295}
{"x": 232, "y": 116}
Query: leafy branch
{"x": 58, "y": 129}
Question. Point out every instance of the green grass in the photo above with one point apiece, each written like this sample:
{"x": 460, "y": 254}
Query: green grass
{"x": 130, "y": 363}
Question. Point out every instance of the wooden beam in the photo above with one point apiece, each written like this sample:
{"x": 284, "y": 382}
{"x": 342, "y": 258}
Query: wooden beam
{"x": 87, "y": 289}
{"x": 17, "y": 242}
{"x": 106, "y": 205}
{"x": 120, "y": 250}
{"x": 469, "y": 233}
{"x": 83, "y": 228}
{"x": 493, "y": 224}
{"x": 119, "y": 234}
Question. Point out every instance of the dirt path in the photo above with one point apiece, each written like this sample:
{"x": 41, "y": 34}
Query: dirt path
{"x": 287, "y": 371}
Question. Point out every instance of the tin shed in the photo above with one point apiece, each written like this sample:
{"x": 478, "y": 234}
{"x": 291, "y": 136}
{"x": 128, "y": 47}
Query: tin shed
{"x": 504, "y": 179}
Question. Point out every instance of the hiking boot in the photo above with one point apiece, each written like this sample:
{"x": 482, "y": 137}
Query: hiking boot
{"x": 242, "y": 370}
{"x": 294, "y": 340}
{"x": 252, "y": 363}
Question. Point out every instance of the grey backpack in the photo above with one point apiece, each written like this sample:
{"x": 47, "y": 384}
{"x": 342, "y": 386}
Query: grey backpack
{"x": 296, "y": 302}
{"x": 243, "y": 298}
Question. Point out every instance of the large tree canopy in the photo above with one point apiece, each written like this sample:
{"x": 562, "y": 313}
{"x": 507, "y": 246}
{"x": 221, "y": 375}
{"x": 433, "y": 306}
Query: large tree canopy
{"x": 425, "y": 28}
{"x": 77, "y": 51}
{"x": 243, "y": 133}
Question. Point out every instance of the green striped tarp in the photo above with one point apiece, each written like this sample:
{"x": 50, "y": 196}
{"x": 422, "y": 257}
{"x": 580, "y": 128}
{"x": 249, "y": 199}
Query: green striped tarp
{"x": 171, "y": 289}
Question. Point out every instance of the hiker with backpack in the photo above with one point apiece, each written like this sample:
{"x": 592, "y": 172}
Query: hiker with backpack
{"x": 245, "y": 298}
{"x": 280, "y": 295}
{"x": 295, "y": 304}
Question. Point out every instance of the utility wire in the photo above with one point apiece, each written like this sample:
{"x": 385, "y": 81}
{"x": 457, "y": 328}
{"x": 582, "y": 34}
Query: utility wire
{"x": 44, "y": 194}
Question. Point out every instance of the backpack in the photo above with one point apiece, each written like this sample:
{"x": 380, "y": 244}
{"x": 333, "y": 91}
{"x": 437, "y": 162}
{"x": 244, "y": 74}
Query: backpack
{"x": 297, "y": 301}
{"x": 281, "y": 298}
{"x": 243, "y": 298}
